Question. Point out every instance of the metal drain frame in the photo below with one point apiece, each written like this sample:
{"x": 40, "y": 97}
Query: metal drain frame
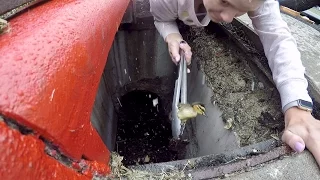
{"x": 10, "y": 8}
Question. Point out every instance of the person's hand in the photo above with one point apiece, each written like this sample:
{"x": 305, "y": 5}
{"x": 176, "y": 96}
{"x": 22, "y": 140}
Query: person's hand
{"x": 302, "y": 130}
{"x": 175, "y": 43}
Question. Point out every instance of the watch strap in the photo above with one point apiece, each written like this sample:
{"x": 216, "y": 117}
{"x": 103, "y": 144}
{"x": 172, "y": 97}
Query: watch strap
{"x": 301, "y": 104}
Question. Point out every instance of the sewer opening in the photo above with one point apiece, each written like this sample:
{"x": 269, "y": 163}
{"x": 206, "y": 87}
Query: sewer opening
{"x": 144, "y": 130}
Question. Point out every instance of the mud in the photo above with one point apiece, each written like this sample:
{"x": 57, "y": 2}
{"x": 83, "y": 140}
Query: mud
{"x": 250, "y": 106}
{"x": 144, "y": 130}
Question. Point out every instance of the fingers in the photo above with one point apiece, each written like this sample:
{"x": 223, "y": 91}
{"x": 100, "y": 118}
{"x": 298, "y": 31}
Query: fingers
{"x": 302, "y": 131}
{"x": 293, "y": 140}
{"x": 297, "y": 144}
{"x": 174, "y": 51}
{"x": 187, "y": 51}
{"x": 314, "y": 148}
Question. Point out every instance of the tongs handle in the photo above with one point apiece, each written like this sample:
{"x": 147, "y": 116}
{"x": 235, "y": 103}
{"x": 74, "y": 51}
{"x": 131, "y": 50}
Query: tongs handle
{"x": 183, "y": 66}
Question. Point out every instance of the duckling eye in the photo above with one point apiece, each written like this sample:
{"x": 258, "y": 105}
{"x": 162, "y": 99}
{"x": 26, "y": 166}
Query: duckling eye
{"x": 202, "y": 108}
{"x": 199, "y": 108}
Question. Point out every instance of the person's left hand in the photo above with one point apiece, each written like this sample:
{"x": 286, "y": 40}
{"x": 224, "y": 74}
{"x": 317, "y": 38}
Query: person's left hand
{"x": 302, "y": 130}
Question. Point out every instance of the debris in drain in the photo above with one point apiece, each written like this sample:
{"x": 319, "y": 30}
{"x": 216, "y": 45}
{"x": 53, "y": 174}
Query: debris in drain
{"x": 147, "y": 159}
{"x": 249, "y": 107}
{"x": 3, "y": 25}
{"x": 228, "y": 123}
{"x": 119, "y": 171}
{"x": 144, "y": 131}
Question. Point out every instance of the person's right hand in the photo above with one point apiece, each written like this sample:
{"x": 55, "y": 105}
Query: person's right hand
{"x": 302, "y": 130}
{"x": 175, "y": 43}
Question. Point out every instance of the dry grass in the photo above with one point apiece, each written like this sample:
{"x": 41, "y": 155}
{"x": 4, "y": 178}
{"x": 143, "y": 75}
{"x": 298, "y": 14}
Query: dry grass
{"x": 119, "y": 171}
{"x": 3, "y": 26}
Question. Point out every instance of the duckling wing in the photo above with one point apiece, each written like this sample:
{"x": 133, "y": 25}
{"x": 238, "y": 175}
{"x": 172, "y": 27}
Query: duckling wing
{"x": 186, "y": 112}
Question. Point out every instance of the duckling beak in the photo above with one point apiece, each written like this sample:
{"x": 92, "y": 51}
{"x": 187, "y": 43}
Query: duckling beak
{"x": 202, "y": 110}
{"x": 205, "y": 115}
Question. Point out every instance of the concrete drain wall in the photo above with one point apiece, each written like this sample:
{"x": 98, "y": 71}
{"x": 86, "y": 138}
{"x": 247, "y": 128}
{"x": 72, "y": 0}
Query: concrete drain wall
{"x": 138, "y": 60}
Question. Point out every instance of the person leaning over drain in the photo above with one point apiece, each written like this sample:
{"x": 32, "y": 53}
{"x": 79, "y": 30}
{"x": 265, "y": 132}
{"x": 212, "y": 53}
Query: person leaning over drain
{"x": 301, "y": 128}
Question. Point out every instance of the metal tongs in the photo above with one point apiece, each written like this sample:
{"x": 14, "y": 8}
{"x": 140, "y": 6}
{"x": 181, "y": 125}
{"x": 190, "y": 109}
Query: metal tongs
{"x": 180, "y": 94}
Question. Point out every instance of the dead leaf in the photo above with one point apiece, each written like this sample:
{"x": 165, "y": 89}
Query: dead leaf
{"x": 147, "y": 159}
{"x": 228, "y": 124}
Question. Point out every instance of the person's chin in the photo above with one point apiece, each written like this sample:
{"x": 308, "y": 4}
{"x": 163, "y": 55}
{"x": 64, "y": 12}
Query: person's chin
{"x": 216, "y": 20}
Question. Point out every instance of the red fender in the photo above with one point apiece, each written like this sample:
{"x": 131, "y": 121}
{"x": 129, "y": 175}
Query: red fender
{"x": 51, "y": 62}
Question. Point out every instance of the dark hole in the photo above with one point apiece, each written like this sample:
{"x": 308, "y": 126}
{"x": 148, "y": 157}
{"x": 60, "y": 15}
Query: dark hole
{"x": 54, "y": 151}
{"x": 144, "y": 130}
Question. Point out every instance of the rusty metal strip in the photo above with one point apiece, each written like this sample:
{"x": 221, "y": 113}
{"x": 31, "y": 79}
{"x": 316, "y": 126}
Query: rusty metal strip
{"x": 213, "y": 172}
{"x": 213, "y": 160}
{"x": 10, "y": 8}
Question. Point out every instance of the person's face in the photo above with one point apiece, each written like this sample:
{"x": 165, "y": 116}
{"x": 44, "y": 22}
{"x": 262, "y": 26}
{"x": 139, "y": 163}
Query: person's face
{"x": 226, "y": 10}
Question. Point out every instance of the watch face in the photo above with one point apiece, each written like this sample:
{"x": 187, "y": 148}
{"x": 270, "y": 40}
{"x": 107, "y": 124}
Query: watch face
{"x": 305, "y": 104}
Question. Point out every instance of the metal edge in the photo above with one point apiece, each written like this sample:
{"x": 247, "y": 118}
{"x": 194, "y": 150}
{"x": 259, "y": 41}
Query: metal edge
{"x": 11, "y": 13}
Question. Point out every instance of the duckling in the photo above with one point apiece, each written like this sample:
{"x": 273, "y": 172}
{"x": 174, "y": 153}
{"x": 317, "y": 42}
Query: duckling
{"x": 187, "y": 111}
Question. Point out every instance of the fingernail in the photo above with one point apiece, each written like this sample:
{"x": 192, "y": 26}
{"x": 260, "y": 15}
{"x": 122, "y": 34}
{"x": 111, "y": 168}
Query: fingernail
{"x": 177, "y": 59}
{"x": 298, "y": 147}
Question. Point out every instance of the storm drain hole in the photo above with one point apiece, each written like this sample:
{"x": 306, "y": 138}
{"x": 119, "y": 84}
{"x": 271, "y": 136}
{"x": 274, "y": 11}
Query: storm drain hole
{"x": 144, "y": 130}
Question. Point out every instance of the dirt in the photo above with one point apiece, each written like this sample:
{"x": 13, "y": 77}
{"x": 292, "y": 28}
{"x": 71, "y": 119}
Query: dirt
{"x": 250, "y": 107}
{"x": 144, "y": 130}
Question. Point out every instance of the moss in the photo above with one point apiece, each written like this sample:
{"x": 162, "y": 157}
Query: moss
{"x": 253, "y": 108}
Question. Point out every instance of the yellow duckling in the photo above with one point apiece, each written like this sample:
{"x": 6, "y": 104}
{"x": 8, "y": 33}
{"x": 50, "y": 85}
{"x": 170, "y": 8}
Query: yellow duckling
{"x": 187, "y": 111}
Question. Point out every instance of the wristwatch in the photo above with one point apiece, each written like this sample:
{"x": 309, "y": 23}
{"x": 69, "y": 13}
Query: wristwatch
{"x": 301, "y": 104}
